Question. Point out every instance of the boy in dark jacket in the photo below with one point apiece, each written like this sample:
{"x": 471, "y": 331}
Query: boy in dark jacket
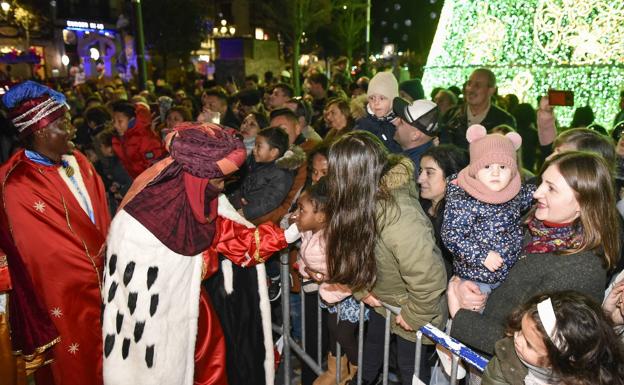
{"x": 116, "y": 179}
{"x": 267, "y": 184}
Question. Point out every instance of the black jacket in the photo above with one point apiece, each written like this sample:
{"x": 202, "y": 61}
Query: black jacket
{"x": 264, "y": 189}
{"x": 454, "y": 123}
{"x": 382, "y": 129}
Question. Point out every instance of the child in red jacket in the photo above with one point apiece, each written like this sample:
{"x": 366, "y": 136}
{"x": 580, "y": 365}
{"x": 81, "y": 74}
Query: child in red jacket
{"x": 136, "y": 145}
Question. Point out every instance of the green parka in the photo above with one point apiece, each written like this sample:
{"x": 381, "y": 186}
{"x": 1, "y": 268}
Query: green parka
{"x": 410, "y": 270}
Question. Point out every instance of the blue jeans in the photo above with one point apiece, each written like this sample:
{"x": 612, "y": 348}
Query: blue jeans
{"x": 486, "y": 288}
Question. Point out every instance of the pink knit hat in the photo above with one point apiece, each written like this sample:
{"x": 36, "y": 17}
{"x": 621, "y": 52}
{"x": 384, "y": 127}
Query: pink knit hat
{"x": 494, "y": 148}
{"x": 488, "y": 149}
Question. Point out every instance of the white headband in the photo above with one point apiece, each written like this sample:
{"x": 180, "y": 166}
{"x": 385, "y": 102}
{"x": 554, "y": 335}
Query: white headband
{"x": 42, "y": 110}
{"x": 546, "y": 313}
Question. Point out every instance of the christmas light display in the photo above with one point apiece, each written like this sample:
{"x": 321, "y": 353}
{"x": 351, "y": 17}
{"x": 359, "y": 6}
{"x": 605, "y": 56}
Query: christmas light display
{"x": 533, "y": 46}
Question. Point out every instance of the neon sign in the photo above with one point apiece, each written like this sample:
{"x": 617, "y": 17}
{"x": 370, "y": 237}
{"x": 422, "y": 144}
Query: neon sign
{"x": 72, "y": 24}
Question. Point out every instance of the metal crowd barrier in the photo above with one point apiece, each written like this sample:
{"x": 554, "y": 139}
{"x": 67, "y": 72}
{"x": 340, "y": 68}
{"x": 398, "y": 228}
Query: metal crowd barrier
{"x": 458, "y": 350}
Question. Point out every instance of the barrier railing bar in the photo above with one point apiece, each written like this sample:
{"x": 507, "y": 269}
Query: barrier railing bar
{"x": 386, "y": 356}
{"x": 303, "y": 321}
{"x": 459, "y": 350}
{"x": 300, "y": 352}
{"x": 285, "y": 278}
{"x": 338, "y": 347}
{"x": 319, "y": 331}
{"x": 468, "y": 355}
{"x": 360, "y": 343}
{"x": 454, "y": 367}
{"x": 418, "y": 354}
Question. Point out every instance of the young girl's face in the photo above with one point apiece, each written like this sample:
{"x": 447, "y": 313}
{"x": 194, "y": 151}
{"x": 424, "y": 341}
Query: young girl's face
{"x": 380, "y": 105}
{"x": 529, "y": 344}
{"x": 495, "y": 176}
{"x": 249, "y": 127}
{"x": 307, "y": 219}
{"x": 319, "y": 167}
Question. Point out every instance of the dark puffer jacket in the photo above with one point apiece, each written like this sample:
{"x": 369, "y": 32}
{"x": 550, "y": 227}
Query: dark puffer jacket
{"x": 384, "y": 130}
{"x": 264, "y": 189}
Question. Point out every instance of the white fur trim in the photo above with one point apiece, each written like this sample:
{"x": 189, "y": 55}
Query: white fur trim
{"x": 228, "y": 276}
{"x": 226, "y": 210}
{"x": 171, "y": 329}
{"x": 265, "y": 313}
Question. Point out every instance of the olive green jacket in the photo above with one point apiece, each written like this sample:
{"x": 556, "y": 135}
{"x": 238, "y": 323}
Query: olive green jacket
{"x": 505, "y": 368}
{"x": 410, "y": 270}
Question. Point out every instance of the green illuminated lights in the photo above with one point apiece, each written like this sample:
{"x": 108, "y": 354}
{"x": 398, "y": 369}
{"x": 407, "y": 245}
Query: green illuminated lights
{"x": 532, "y": 46}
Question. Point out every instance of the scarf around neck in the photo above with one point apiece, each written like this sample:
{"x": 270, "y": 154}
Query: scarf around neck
{"x": 476, "y": 189}
{"x": 549, "y": 238}
{"x": 386, "y": 118}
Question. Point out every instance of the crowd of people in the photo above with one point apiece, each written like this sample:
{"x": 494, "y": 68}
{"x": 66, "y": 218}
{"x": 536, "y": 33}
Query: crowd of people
{"x": 141, "y": 230}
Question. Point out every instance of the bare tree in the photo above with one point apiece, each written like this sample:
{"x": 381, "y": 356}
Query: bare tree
{"x": 348, "y": 25}
{"x": 294, "y": 18}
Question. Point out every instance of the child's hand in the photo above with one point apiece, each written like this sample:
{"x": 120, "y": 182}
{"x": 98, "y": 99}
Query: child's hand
{"x": 494, "y": 261}
{"x": 244, "y": 202}
{"x": 401, "y": 322}
{"x": 314, "y": 275}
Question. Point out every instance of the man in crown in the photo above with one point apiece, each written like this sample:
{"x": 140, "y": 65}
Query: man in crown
{"x": 55, "y": 214}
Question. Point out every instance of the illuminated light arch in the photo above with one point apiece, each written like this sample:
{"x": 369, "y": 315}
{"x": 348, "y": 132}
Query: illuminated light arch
{"x": 534, "y": 45}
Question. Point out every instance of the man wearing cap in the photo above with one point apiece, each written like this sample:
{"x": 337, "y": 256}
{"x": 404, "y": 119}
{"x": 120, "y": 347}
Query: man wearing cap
{"x": 416, "y": 125}
{"x": 159, "y": 325}
{"x": 54, "y": 206}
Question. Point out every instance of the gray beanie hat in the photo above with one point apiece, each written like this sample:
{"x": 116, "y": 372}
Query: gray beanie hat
{"x": 385, "y": 84}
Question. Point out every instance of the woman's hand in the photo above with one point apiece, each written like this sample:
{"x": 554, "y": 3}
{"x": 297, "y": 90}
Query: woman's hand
{"x": 614, "y": 304}
{"x": 464, "y": 295}
{"x": 401, "y": 322}
{"x": 372, "y": 301}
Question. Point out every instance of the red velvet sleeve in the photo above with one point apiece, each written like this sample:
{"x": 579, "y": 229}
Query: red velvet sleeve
{"x": 5, "y": 278}
{"x": 245, "y": 246}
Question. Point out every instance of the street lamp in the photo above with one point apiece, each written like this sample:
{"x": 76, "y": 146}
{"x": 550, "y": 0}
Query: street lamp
{"x": 5, "y": 6}
{"x": 140, "y": 44}
{"x": 65, "y": 60}
{"x": 95, "y": 54}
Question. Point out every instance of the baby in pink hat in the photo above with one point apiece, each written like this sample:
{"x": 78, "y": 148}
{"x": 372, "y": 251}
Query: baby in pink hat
{"x": 484, "y": 206}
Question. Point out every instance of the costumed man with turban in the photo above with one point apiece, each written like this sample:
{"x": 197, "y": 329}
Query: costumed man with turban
{"x": 159, "y": 326}
{"x": 54, "y": 221}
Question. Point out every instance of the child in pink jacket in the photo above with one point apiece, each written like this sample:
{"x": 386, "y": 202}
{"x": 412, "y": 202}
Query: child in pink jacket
{"x": 311, "y": 221}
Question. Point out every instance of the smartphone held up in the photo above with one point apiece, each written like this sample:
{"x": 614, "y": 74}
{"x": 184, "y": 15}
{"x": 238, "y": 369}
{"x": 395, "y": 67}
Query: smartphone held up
{"x": 560, "y": 98}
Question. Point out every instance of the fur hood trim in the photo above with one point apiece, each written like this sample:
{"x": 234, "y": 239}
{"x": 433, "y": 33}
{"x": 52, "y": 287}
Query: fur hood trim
{"x": 292, "y": 159}
{"x": 400, "y": 174}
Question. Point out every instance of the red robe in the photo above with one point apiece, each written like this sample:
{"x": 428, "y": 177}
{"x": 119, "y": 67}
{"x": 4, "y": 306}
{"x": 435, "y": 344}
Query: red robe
{"x": 245, "y": 247}
{"x": 61, "y": 250}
